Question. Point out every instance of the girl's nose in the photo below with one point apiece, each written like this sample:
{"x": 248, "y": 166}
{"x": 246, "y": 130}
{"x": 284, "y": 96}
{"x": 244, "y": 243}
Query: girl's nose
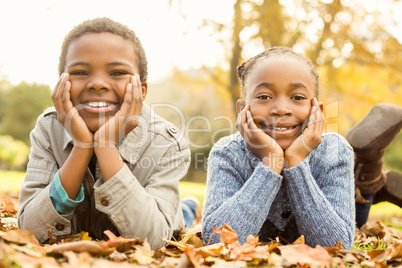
{"x": 280, "y": 108}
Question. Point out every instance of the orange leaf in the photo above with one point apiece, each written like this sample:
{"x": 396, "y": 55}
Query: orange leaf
{"x": 81, "y": 246}
{"x": 304, "y": 255}
{"x": 228, "y": 235}
{"x": 20, "y": 236}
{"x": 395, "y": 251}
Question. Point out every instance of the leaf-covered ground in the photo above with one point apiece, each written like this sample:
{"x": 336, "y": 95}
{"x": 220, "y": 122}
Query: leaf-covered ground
{"x": 376, "y": 245}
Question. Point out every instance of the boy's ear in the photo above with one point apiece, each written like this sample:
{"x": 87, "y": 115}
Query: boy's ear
{"x": 144, "y": 87}
{"x": 240, "y": 104}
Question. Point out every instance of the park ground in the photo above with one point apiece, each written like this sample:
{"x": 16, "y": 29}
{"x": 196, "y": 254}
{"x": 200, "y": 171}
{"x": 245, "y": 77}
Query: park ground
{"x": 378, "y": 244}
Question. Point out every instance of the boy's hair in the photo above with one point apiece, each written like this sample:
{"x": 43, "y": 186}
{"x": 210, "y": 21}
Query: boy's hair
{"x": 105, "y": 25}
{"x": 244, "y": 69}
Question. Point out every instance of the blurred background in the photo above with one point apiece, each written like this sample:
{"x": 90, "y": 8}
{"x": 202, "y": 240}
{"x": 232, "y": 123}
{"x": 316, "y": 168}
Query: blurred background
{"x": 194, "y": 47}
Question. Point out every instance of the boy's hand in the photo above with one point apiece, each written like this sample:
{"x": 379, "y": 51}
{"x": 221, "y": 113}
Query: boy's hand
{"x": 68, "y": 115}
{"x": 258, "y": 142}
{"x": 309, "y": 139}
{"x": 125, "y": 120}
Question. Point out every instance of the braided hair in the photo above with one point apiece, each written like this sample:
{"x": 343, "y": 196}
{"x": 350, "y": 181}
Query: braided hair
{"x": 244, "y": 69}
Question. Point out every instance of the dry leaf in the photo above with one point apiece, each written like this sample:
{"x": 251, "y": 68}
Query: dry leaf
{"x": 20, "y": 237}
{"x": 395, "y": 251}
{"x": 228, "y": 235}
{"x": 304, "y": 255}
{"x": 143, "y": 254}
{"x": 80, "y": 246}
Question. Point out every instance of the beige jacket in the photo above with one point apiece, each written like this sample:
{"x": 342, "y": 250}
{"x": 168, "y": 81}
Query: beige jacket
{"x": 140, "y": 200}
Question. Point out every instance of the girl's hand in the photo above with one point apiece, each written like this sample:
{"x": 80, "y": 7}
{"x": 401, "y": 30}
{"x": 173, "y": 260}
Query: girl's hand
{"x": 309, "y": 139}
{"x": 68, "y": 115}
{"x": 258, "y": 142}
{"x": 125, "y": 120}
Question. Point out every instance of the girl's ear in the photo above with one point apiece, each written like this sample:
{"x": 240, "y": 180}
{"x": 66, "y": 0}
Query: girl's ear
{"x": 240, "y": 104}
{"x": 321, "y": 104}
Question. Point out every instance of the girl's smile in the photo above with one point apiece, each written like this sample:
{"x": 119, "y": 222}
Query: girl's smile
{"x": 279, "y": 91}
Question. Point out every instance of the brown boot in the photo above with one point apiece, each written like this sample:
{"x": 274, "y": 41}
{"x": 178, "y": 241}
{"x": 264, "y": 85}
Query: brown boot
{"x": 369, "y": 138}
{"x": 392, "y": 190}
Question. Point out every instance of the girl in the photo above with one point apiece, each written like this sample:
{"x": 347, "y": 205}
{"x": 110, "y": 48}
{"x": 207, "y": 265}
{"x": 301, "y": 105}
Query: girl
{"x": 278, "y": 176}
{"x": 101, "y": 159}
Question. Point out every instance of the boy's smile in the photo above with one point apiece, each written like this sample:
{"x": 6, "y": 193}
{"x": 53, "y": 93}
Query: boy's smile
{"x": 279, "y": 91}
{"x": 100, "y": 67}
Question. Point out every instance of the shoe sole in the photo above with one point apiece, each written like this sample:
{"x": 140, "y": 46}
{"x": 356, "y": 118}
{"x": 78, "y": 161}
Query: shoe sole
{"x": 394, "y": 187}
{"x": 382, "y": 119}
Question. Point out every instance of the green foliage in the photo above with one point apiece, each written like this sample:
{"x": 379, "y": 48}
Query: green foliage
{"x": 393, "y": 154}
{"x": 369, "y": 247}
{"x": 10, "y": 181}
{"x": 13, "y": 153}
{"x": 22, "y": 105}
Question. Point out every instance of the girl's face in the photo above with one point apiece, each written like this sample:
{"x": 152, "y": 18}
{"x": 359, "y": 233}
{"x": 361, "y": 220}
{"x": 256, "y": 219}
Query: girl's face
{"x": 100, "y": 67}
{"x": 279, "y": 91}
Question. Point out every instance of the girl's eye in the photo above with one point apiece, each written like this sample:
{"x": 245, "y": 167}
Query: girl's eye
{"x": 264, "y": 97}
{"x": 298, "y": 98}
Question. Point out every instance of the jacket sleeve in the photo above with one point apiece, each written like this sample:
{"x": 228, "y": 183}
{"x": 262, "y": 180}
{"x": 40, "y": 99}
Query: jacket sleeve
{"x": 323, "y": 204}
{"x": 36, "y": 211}
{"x": 232, "y": 198}
{"x": 146, "y": 211}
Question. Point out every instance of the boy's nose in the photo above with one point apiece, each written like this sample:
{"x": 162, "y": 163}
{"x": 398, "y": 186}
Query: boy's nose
{"x": 98, "y": 82}
{"x": 280, "y": 108}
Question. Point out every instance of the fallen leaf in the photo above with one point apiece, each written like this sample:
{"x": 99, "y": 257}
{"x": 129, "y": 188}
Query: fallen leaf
{"x": 80, "y": 246}
{"x": 304, "y": 255}
{"x": 377, "y": 255}
{"x": 300, "y": 240}
{"x": 395, "y": 251}
{"x": 228, "y": 235}
{"x": 20, "y": 236}
{"x": 143, "y": 254}
{"x": 120, "y": 243}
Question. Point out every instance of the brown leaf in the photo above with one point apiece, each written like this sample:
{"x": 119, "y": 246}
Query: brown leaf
{"x": 177, "y": 244}
{"x": 120, "y": 243}
{"x": 212, "y": 250}
{"x": 20, "y": 236}
{"x": 80, "y": 246}
{"x": 395, "y": 251}
{"x": 377, "y": 255}
{"x": 304, "y": 255}
{"x": 228, "y": 235}
{"x": 191, "y": 239}
{"x": 299, "y": 240}
{"x": 143, "y": 254}
{"x": 334, "y": 251}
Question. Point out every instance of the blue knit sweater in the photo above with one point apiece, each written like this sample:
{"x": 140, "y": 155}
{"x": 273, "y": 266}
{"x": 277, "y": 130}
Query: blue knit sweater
{"x": 314, "y": 198}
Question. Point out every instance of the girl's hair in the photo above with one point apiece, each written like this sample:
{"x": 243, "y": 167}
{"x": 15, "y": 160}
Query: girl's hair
{"x": 105, "y": 25}
{"x": 244, "y": 70}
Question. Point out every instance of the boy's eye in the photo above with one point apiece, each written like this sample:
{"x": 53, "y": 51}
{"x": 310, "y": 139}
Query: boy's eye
{"x": 263, "y": 97}
{"x": 298, "y": 98}
{"x": 78, "y": 73}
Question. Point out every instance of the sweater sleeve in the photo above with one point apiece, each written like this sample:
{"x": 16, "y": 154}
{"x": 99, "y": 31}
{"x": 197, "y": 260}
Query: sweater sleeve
{"x": 323, "y": 204}
{"x": 233, "y": 198}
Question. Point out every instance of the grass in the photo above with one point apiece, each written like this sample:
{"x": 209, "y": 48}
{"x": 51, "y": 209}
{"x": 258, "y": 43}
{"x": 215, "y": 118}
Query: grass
{"x": 10, "y": 181}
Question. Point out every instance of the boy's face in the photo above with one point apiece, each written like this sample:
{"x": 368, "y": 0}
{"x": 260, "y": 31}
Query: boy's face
{"x": 279, "y": 92}
{"x": 100, "y": 67}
